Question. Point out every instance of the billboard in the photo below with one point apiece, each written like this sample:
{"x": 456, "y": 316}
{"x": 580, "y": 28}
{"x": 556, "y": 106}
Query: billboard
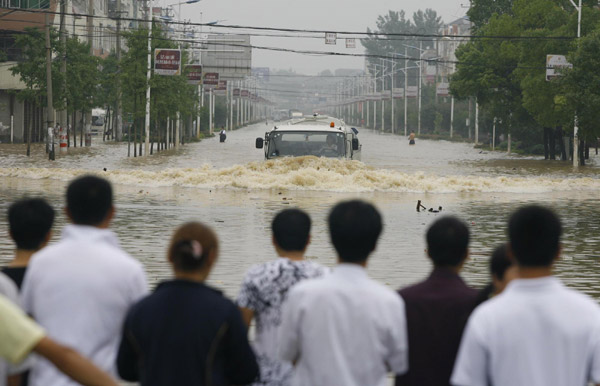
{"x": 412, "y": 91}
{"x": 229, "y": 55}
{"x": 556, "y": 62}
{"x": 244, "y": 93}
{"x": 398, "y": 93}
{"x": 442, "y": 89}
{"x": 350, "y": 43}
{"x": 210, "y": 78}
{"x": 194, "y": 73}
{"x": 236, "y": 92}
{"x": 221, "y": 88}
{"x": 167, "y": 61}
{"x": 262, "y": 73}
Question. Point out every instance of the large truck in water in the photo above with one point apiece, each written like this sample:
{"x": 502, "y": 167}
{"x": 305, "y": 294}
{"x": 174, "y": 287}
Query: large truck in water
{"x": 317, "y": 135}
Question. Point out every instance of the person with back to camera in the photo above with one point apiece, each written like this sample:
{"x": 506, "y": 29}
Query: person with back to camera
{"x": 79, "y": 289}
{"x": 345, "y": 328}
{"x": 411, "y": 138}
{"x": 437, "y": 308}
{"x": 30, "y": 227}
{"x": 502, "y": 271}
{"x": 30, "y": 222}
{"x": 266, "y": 286}
{"x": 222, "y": 135}
{"x": 537, "y": 332}
{"x": 187, "y": 333}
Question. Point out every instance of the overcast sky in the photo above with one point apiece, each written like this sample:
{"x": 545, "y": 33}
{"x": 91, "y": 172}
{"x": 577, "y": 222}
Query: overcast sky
{"x": 338, "y": 15}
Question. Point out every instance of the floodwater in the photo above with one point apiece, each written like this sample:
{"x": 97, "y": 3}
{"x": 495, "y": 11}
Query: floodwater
{"x": 230, "y": 187}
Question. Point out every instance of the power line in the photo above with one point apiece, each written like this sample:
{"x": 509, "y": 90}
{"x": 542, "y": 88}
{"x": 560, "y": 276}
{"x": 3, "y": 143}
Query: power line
{"x": 296, "y": 30}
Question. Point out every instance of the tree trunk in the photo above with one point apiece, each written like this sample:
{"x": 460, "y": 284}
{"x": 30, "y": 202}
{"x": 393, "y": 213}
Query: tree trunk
{"x": 552, "y": 144}
{"x": 546, "y": 139}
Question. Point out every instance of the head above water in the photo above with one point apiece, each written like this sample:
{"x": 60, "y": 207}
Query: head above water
{"x": 534, "y": 232}
{"x": 448, "y": 242}
{"x": 30, "y": 221}
{"x": 354, "y": 227}
{"x": 90, "y": 201}
{"x": 291, "y": 230}
{"x": 193, "y": 248}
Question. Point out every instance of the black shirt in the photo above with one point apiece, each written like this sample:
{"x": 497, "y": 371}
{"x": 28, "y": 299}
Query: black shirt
{"x": 186, "y": 333}
{"x": 16, "y": 274}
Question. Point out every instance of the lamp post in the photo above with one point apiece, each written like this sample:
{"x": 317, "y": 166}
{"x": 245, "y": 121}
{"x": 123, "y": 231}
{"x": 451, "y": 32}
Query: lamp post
{"x": 575, "y": 127}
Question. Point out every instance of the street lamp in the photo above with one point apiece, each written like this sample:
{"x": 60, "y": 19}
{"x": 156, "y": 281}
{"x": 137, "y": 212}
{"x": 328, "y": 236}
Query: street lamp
{"x": 575, "y": 127}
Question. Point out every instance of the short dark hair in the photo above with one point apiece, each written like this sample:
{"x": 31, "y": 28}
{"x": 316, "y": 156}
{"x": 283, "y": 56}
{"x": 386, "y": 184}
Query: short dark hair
{"x": 89, "y": 200}
{"x": 354, "y": 227}
{"x": 291, "y": 229}
{"x": 447, "y": 241}
{"x": 29, "y": 221}
{"x": 534, "y": 232}
{"x": 499, "y": 262}
{"x": 190, "y": 246}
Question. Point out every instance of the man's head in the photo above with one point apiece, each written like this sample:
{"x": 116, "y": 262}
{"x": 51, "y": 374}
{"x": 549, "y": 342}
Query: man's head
{"x": 448, "y": 242}
{"x": 534, "y": 233}
{"x": 354, "y": 227}
{"x": 30, "y": 221}
{"x": 291, "y": 230}
{"x": 501, "y": 268}
{"x": 90, "y": 201}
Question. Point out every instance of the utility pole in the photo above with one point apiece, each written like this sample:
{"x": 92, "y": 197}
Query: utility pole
{"x": 50, "y": 107}
{"x": 148, "y": 75}
{"x": 90, "y": 32}
{"x": 63, "y": 71}
{"x": 118, "y": 124}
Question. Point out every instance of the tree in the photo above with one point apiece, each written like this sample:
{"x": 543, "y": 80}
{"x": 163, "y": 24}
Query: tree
{"x": 32, "y": 68}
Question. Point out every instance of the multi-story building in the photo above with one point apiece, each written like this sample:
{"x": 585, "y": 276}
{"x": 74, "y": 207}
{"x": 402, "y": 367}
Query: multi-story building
{"x": 17, "y": 15}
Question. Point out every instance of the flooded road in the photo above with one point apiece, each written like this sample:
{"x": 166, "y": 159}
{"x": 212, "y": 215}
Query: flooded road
{"x": 231, "y": 188}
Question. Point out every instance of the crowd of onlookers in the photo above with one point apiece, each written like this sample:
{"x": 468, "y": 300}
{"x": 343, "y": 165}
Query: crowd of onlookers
{"x": 79, "y": 311}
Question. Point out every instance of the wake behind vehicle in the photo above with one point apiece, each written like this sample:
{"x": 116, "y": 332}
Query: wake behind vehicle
{"x": 317, "y": 135}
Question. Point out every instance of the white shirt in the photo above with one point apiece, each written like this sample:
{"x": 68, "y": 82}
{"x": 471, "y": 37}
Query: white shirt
{"x": 344, "y": 329}
{"x": 79, "y": 290}
{"x": 537, "y": 332}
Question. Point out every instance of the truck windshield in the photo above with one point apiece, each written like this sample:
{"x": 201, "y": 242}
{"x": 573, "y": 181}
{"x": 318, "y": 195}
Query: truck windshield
{"x": 299, "y": 143}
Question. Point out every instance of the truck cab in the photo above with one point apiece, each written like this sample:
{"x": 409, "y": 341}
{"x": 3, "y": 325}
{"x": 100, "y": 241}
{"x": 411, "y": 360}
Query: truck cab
{"x": 317, "y": 136}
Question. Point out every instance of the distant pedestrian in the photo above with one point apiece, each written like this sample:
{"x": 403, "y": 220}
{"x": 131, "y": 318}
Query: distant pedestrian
{"x": 411, "y": 138}
{"x": 437, "y": 308}
{"x": 537, "y": 331}
{"x": 266, "y": 286}
{"x": 80, "y": 288}
{"x": 30, "y": 227}
{"x": 344, "y": 328}
{"x": 186, "y": 332}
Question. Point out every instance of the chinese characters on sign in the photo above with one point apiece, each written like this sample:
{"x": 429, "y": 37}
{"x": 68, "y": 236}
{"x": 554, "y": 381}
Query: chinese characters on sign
{"x": 194, "y": 73}
{"x": 330, "y": 38}
{"x": 351, "y": 43}
{"x": 167, "y": 61}
{"x": 210, "y": 79}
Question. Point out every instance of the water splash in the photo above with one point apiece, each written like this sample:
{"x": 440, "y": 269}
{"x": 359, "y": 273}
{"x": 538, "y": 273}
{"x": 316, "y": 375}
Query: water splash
{"x": 318, "y": 174}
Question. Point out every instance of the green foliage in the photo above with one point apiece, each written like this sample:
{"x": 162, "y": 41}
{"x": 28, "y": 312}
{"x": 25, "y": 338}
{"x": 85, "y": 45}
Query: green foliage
{"x": 582, "y": 85}
{"x": 83, "y": 77}
{"x": 32, "y": 69}
{"x": 508, "y": 75}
